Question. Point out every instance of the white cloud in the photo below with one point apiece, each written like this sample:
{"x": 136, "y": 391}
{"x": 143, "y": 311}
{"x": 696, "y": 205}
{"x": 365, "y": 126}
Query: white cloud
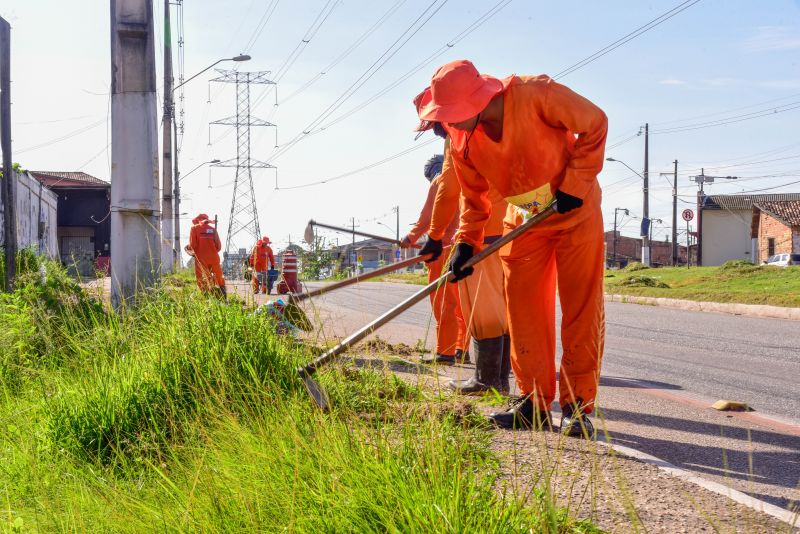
{"x": 769, "y": 38}
{"x": 673, "y": 81}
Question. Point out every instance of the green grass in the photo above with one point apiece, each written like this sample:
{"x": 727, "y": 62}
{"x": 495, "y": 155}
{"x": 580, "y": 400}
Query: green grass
{"x": 419, "y": 277}
{"x": 185, "y": 414}
{"x": 739, "y": 282}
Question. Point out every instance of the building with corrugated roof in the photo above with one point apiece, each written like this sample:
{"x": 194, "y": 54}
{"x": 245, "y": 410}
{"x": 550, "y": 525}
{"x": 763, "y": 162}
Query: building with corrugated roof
{"x": 84, "y": 219}
{"x": 725, "y": 226}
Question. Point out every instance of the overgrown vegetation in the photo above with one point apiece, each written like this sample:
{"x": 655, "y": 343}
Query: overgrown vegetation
{"x": 185, "y": 414}
{"x": 735, "y": 281}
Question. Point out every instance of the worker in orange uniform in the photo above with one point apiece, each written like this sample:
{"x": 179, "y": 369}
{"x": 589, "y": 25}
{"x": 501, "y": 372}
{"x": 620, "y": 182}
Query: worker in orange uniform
{"x": 534, "y": 141}
{"x": 261, "y": 259}
{"x": 450, "y": 329}
{"x": 482, "y": 296}
{"x": 205, "y": 245}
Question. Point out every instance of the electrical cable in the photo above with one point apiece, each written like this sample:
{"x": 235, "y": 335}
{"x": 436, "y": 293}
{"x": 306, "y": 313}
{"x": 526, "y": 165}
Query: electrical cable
{"x": 412, "y": 148}
{"x": 731, "y": 120}
{"x": 393, "y": 49}
{"x": 629, "y": 37}
{"x": 62, "y": 138}
{"x": 349, "y": 50}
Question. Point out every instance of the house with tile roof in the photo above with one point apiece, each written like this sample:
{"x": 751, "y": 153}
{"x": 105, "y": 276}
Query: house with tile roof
{"x": 775, "y": 228}
{"x": 725, "y": 225}
{"x": 84, "y": 219}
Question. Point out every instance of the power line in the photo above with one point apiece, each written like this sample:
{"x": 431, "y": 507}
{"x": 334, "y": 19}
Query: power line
{"x": 629, "y": 37}
{"x": 730, "y": 120}
{"x": 443, "y": 49}
{"x": 262, "y": 23}
{"x": 62, "y": 138}
{"x": 725, "y": 112}
{"x": 395, "y": 47}
{"x": 413, "y": 148}
{"x": 349, "y": 50}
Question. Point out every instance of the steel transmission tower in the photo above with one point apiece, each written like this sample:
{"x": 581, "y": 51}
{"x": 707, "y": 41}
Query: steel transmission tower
{"x": 244, "y": 213}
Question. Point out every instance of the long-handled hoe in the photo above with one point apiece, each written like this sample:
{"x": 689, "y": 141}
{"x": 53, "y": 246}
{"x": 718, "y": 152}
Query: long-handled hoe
{"x": 307, "y": 372}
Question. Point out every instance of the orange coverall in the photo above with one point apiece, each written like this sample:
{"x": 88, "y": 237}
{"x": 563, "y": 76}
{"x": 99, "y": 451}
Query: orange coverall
{"x": 204, "y": 242}
{"x": 450, "y": 329}
{"x": 261, "y": 258}
{"x": 485, "y": 318}
{"x": 552, "y": 139}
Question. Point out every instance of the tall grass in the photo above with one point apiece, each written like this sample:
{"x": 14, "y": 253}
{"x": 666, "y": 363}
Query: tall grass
{"x": 184, "y": 414}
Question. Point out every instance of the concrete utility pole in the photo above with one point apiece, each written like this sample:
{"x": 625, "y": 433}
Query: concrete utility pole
{"x": 168, "y": 255}
{"x": 136, "y": 250}
{"x": 9, "y": 184}
{"x": 646, "y": 201}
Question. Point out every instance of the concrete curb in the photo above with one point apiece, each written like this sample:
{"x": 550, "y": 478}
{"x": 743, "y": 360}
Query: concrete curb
{"x": 737, "y": 496}
{"x": 752, "y": 310}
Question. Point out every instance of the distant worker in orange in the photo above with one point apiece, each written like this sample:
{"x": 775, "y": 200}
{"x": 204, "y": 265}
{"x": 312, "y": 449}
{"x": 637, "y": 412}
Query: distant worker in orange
{"x": 482, "y": 296}
{"x": 262, "y": 260}
{"x": 204, "y": 245}
{"x": 534, "y": 141}
{"x": 450, "y": 329}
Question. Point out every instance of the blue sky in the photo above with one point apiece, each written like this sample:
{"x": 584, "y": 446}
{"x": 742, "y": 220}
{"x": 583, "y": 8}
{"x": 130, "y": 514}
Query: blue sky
{"x": 715, "y": 61}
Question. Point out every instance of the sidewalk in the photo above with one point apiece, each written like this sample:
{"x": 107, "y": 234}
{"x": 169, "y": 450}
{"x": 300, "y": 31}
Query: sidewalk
{"x": 753, "y": 310}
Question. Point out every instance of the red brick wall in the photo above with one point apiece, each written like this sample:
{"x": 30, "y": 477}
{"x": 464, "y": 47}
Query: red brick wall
{"x": 630, "y": 248}
{"x": 768, "y": 227}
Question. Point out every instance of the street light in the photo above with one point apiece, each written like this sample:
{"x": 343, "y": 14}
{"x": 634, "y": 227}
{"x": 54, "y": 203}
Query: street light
{"x": 190, "y": 172}
{"x": 243, "y": 57}
{"x": 645, "y": 214}
{"x": 176, "y": 190}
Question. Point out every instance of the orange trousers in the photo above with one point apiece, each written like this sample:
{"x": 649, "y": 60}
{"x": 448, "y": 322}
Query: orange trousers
{"x": 208, "y": 275}
{"x": 533, "y": 263}
{"x": 483, "y": 301}
{"x": 450, "y": 329}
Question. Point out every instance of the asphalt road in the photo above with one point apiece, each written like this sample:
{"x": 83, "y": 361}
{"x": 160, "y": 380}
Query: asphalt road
{"x": 713, "y": 356}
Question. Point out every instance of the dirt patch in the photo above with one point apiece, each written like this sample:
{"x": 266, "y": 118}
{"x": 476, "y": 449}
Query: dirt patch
{"x": 379, "y": 346}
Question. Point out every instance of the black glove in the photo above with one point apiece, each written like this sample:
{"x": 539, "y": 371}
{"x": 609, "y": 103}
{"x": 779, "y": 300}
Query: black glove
{"x": 565, "y": 202}
{"x": 463, "y": 253}
{"x": 432, "y": 247}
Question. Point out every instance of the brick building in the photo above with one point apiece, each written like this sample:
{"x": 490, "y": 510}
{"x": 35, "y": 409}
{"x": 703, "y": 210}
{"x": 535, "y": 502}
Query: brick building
{"x": 725, "y": 224}
{"x": 629, "y": 249}
{"x": 775, "y": 228}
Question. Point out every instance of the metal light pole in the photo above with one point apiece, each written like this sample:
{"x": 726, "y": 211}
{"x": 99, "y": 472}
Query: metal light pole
{"x": 645, "y": 206}
{"x": 173, "y": 193}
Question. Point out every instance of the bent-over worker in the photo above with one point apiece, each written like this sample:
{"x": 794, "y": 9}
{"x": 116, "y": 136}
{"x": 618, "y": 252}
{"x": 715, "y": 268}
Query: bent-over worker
{"x": 534, "y": 140}
{"x": 450, "y": 329}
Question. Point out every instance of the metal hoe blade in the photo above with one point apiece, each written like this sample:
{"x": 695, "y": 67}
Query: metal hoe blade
{"x": 318, "y": 394}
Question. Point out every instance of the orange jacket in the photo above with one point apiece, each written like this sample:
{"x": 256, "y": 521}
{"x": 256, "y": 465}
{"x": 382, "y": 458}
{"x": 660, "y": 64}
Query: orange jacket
{"x": 552, "y": 139}
{"x": 204, "y": 242}
{"x": 424, "y": 221}
{"x": 258, "y": 257}
{"x": 448, "y": 195}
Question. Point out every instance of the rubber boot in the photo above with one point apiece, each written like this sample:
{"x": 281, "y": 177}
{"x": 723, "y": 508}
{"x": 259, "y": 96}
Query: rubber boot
{"x": 224, "y": 292}
{"x": 505, "y": 366}
{"x": 488, "y": 363}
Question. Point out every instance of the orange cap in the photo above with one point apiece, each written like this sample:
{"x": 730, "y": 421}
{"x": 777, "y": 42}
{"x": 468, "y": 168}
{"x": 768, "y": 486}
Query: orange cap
{"x": 265, "y": 240}
{"x": 420, "y": 101}
{"x": 458, "y": 92}
{"x": 200, "y": 218}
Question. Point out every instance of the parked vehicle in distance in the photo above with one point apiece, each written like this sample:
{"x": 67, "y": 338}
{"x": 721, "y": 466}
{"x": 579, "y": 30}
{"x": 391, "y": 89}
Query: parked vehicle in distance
{"x": 783, "y": 260}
